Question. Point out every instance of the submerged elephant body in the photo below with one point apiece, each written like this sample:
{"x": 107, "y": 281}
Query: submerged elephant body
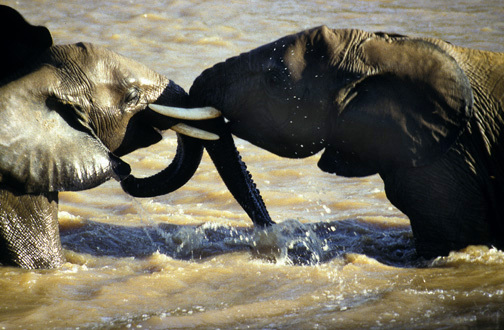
{"x": 426, "y": 115}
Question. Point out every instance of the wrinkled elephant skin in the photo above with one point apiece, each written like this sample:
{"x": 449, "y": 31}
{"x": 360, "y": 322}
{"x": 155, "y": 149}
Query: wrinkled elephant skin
{"x": 68, "y": 112}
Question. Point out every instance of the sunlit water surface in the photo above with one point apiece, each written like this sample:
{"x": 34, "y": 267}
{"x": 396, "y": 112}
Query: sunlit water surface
{"x": 192, "y": 258}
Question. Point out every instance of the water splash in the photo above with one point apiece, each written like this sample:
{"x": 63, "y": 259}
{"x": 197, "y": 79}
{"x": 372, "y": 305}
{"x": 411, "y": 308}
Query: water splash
{"x": 209, "y": 239}
{"x": 289, "y": 242}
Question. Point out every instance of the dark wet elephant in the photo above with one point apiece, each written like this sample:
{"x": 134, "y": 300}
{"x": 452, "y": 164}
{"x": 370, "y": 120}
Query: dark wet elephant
{"x": 68, "y": 113}
{"x": 424, "y": 114}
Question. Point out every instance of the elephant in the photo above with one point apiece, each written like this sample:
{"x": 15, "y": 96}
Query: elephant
{"x": 68, "y": 113}
{"x": 424, "y": 114}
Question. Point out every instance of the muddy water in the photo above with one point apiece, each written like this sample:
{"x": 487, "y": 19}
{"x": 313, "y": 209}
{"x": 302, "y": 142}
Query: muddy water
{"x": 191, "y": 258}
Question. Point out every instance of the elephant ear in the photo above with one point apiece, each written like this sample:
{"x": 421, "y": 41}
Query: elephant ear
{"x": 21, "y": 41}
{"x": 45, "y": 149}
{"x": 406, "y": 110}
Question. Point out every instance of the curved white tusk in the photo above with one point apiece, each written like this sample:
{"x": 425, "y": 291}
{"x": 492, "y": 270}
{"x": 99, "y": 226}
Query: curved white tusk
{"x": 188, "y": 114}
{"x": 194, "y": 132}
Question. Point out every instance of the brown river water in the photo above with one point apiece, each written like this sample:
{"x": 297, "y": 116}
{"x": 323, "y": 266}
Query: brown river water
{"x": 191, "y": 259}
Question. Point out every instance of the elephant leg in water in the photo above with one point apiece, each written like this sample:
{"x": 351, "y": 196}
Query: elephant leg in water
{"x": 424, "y": 114}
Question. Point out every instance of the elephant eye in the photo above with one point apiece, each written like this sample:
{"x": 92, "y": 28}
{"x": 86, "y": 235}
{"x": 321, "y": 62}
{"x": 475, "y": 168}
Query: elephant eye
{"x": 132, "y": 96}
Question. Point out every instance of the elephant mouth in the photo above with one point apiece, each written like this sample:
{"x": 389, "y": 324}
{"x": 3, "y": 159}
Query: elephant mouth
{"x": 194, "y": 114}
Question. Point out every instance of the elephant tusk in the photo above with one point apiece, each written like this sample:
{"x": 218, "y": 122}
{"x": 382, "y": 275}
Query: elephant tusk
{"x": 188, "y": 114}
{"x": 194, "y": 132}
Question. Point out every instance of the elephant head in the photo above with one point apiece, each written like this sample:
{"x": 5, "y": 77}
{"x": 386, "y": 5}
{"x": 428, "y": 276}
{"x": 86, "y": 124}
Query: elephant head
{"x": 68, "y": 112}
{"x": 417, "y": 111}
{"x": 372, "y": 101}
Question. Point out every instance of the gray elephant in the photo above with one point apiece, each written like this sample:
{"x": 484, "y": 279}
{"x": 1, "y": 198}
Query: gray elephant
{"x": 426, "y": 115}
{"x": 68, "y": 113}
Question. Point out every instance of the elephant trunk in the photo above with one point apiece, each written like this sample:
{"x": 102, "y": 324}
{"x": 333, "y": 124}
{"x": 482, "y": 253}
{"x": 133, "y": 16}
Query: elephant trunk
{"x": 180, "y": 170}
{"x": 223, "y": 152}
{"x": 212, "y": 88}
{"x": 187, "y": 158}
{"x": 235, "y": 175}
{"x": 227, "y": 160}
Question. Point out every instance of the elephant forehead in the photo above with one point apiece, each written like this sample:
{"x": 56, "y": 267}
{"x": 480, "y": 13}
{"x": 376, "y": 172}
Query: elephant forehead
{"x": 97, "y": 64}
{"x": 121, "y": 71}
